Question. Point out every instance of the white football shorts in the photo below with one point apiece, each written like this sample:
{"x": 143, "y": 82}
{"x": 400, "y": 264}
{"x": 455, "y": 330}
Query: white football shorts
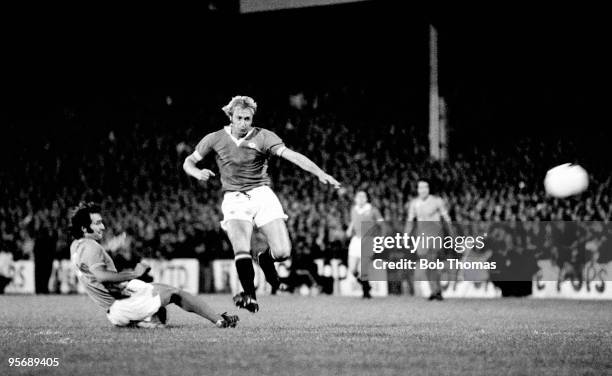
{"x": 258, "y": 205}
{"x": 141, "y": 304}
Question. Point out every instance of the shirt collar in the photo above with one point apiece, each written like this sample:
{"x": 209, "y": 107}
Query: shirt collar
{"x": 363, "y": 209}
{"x": 237, "y": 141}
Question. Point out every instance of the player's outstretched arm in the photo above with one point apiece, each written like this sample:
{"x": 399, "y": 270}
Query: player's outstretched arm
{"x": 306, "y": 164}
{"x": 190, "y": 168}
{"x": 349, "y": 230}
{"x": 103, "y": 275}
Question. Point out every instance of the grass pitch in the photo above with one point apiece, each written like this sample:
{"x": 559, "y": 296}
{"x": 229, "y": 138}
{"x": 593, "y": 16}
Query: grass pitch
{"x": 317, "y": 336}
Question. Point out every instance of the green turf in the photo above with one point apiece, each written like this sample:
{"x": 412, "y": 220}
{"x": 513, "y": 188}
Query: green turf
{"x": 317, "y": 336}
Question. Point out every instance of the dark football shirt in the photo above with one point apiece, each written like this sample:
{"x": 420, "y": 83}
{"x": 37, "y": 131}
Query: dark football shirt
{"x": 364, "y": 219}
{"x": 242, "y": 163}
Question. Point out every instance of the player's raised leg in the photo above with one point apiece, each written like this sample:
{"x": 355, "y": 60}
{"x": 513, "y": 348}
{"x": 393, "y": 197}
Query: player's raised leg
{"x": 266, "y": 263}
{"x": 192, "y": 303}
{"x": 279, "y": 249}
{"x": 239, "y": 233}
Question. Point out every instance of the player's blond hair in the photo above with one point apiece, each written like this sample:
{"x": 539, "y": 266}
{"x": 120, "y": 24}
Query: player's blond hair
{"x": 241, "y": 101}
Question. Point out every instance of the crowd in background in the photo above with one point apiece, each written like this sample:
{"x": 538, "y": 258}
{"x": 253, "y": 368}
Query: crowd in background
{"x": 129, "y": 160}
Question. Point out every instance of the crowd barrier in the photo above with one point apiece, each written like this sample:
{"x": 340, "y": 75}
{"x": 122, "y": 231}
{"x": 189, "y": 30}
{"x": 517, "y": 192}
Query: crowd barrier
{"x": 225, "y": 278}
{"x": 21, "y": 273}
{"x": 181, "y": 273}
{"x": 595, "y": 281}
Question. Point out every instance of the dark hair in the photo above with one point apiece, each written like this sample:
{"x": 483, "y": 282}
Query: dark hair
{"x": 424, "y": 180}
{"x": 81, "y": 217}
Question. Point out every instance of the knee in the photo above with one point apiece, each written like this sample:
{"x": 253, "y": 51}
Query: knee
{"x": 281, "y": 253}
{"x": 175, "y": 296}
{"x": 167, "y": 293}
{"x": 241, "y": 248}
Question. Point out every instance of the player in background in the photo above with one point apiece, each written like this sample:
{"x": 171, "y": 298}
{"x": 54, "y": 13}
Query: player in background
{"x": 428, "y": 211}
{"x": 364, "y": 218}
{"x": 126, "y": 299}
{"x": 242, "y": 152}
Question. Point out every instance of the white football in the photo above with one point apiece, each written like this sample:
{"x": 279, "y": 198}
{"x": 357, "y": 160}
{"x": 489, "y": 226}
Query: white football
{"x": 566, "y": 180}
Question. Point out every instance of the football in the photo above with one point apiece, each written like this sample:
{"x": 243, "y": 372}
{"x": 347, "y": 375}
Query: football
{"x": 566, "y": 180}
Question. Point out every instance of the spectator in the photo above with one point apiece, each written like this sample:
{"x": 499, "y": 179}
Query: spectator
{"x": 131, "y": 164}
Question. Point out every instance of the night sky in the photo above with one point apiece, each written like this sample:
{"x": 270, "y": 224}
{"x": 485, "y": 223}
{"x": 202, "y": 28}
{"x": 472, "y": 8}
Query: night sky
{"x": 521, "y": 68}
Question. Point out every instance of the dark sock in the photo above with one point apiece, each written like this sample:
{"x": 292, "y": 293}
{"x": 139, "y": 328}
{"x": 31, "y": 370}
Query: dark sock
{"x": 246, "y": 274}
{"x": 266, "y": 262}
{"x": 162, "y": 315}
{"x": 434, "y": 281}
{"x": 365, "y": 285}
